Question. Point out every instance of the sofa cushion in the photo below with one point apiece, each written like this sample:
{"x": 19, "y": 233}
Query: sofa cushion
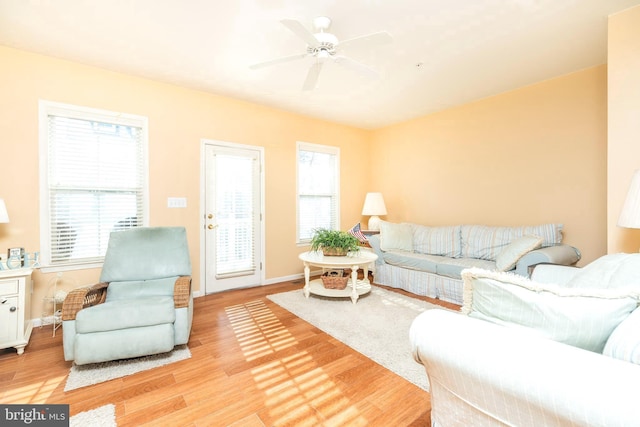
{"x": 624, "y": 342}
{"x": 580, "y": 317}
{"x": 486, "y": 242}
{"x": 511, "y": 254}
{"x": 140, "y": 288}
{"x": 612, "y": 271}
{"x": 453, "y": 267}
{"x": 105, "y": 346}
{"x": 443, "y": 241}
{"x": 394, "y": 236}
{"x": 126, "y": 314}
{"x": 143, "y": 253}
{"x": 412, "y": 260}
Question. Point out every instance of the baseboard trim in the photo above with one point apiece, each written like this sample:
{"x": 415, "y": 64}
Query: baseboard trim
{"x": 273, "y": 281}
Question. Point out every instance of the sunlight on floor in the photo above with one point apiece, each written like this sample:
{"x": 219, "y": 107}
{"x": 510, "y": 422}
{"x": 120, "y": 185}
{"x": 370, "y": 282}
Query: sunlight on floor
{"x": 297, "y": 391}
{"x": 37, "y": 392}
{"x": 258, "y": 330}
{"x": 389, "y": 298}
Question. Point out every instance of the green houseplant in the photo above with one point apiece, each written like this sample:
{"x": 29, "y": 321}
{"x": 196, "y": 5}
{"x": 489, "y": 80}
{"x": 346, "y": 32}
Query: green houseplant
{"x": 334, "y": 242}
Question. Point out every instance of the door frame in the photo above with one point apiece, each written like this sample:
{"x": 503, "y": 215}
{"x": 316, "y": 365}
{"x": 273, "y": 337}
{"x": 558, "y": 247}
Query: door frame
{"x": 204, "y": 142}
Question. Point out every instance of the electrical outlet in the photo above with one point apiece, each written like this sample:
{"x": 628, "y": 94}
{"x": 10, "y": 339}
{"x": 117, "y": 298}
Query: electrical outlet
{"x": 176, "y": 202}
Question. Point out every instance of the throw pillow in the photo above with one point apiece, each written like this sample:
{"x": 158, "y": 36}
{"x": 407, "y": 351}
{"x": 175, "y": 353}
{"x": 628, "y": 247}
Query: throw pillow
{"x": 579, "y": 317}
{"x": 510, "y": 255}
{"x": 397, "y": 237}
{"x": 442, "y": 240}
{"x": 624, "y": 342}
{"x": 486, "y": 242}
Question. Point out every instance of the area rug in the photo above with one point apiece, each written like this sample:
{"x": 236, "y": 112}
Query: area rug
{"x": 376, "y": 326}
{"x": 103, "y": 416}
{"x": 93, "y": 373}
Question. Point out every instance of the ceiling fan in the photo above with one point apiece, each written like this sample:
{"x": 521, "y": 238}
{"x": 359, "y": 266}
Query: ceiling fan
{"x": 324, "y": 46}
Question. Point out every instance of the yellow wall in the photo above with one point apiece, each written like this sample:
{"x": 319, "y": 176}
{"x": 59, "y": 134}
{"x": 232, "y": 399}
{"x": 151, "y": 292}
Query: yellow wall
{"x": 624, "y": 122}
{"x": 178, "y": 119}
{"x": 530, "y": 156}
{"x": 533, "y": 155}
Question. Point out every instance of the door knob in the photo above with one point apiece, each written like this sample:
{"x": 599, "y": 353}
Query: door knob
{"x": 12, "y": 309}
{"x": 211, "y": 226}
{"x": 210, "y": 216}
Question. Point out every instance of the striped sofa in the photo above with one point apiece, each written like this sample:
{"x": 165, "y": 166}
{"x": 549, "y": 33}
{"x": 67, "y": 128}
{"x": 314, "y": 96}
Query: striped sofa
{"x": 559, "y": 349}
{"x": 428, "y": 261}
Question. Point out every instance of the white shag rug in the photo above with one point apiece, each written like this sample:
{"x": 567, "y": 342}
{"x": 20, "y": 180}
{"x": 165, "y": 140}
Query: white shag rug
{"x": 103, "y": 416}
{"x": 94, "y": 373}
{"x": 376, "y": 326}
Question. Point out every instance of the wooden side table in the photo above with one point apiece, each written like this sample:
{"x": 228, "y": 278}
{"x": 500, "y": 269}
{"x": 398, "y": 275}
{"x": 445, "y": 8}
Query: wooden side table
{"x": 355, "y": 287}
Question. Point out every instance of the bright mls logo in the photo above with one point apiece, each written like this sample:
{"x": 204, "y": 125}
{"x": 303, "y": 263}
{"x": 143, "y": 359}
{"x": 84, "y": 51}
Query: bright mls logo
{"x": 34, "y": 415}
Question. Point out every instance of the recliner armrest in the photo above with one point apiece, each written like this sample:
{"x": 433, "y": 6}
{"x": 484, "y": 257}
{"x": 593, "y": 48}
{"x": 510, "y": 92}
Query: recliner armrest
{"x": 81, "y": 298}
{"x": 182, "y": 292}
{"x": 374, "y": 242}
{"x": 559, "y": 254}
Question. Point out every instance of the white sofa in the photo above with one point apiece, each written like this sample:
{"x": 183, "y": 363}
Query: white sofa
{"x": 561, "y": 349}
{"x": 428, "y": 261}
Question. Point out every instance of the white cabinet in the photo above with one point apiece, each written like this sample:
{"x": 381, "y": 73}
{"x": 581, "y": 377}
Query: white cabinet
{"x": 15, "y": 308}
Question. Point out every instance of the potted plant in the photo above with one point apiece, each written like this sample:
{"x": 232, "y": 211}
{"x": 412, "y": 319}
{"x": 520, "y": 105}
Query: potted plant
{"x": 334, "y": 242}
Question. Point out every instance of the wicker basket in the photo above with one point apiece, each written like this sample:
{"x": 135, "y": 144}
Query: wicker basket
{"x": 334, "y": 251}
{"x": 334, "y": 282}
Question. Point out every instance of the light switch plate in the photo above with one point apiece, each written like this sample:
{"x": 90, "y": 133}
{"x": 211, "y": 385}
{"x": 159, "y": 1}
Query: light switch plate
{"x": 177, "y": 202}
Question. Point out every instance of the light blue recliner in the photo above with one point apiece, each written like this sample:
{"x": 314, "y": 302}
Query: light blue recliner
{"x": 143, "y": 304}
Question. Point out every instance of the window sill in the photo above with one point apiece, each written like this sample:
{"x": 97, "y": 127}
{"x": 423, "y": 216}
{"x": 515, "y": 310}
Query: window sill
{"x": 69, "y": 267}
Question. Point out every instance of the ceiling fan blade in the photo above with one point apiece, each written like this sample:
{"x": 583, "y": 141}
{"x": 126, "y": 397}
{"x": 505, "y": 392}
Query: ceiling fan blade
{"x": 373, "y": 39}
{"x": 312, "y": 77}
{"x": 278, "y": 61}
{"x": 356, "y": 66}
{"x": 300, "y": 30}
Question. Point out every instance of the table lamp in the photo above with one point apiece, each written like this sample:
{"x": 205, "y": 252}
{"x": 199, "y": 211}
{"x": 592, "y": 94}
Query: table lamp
{"x": 374, "y": 206}
{"x": 630, "y": 215}
{"x": 4, "y": 215}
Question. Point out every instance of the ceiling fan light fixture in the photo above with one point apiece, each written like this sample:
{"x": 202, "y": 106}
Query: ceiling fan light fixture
{"x": 323, "y": 46}
{"x": 323, "y": 55}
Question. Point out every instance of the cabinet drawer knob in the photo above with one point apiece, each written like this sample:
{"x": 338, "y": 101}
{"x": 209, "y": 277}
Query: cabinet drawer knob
{"x": 12, "y": 309}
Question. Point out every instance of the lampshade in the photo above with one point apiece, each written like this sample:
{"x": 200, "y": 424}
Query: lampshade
{"x": 630, "y": 216}
{"x": 374, "y": 206}
{"x": 4, "y": 215}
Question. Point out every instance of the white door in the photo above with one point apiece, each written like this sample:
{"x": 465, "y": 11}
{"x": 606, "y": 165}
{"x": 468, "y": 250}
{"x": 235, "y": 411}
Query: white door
{"x": 232, "y": 216}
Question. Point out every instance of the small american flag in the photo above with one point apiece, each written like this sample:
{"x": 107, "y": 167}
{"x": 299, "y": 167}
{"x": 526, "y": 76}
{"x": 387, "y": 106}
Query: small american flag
{"x": 357, "y": 233}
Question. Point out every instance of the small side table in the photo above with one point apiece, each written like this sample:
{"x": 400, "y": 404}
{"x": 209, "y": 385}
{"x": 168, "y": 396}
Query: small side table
{"x": 368, "y": 233}
{"x": 15, "y": 308}
{"x": 355, "y": 287}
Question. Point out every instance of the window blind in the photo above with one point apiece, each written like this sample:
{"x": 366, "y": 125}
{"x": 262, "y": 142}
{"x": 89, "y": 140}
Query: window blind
{"x": 96, "y": 183}
{"x": 318, "y": 184}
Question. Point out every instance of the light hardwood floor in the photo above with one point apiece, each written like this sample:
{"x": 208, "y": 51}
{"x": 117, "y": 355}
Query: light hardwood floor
{"x": 253, "y": 364}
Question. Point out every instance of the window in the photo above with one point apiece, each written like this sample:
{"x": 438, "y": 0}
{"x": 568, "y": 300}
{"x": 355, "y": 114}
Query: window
{"x": 318, "y": 189}
{"x": 93, "y": 168}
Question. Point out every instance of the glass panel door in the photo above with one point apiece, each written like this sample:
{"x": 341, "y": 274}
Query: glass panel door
{"x": 232, "y": 217}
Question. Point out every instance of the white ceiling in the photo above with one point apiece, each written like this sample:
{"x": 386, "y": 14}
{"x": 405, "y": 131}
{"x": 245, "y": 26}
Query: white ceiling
{"x": 468, "y": 49}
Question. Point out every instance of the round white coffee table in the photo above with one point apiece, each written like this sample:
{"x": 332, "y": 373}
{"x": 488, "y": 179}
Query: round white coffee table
{"x": 355, "y": 287}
